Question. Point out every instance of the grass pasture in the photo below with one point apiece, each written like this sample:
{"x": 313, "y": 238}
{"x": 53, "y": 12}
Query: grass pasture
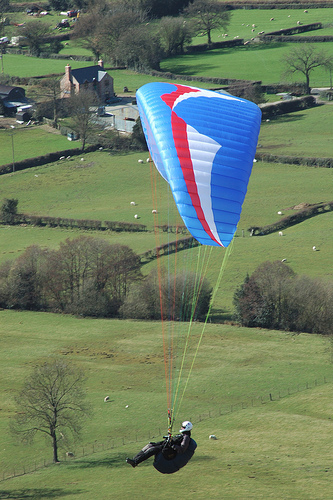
{"x": 76, "y": 189}
{"x": 259, "y": 62}
{"x": 29, "y": 142}
{"x": 304, "y": 133}
{"x": 265, "y": 449}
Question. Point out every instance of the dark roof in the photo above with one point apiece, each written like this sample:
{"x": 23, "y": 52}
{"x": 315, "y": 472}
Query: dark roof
{"x": 88, "y": 74}
{"x": 7, "y": 91}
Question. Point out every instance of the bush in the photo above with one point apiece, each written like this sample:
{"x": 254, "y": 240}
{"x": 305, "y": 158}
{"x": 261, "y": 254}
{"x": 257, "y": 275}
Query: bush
{"x": 181, "y": 297}
{"x": 275, "y": 297}
{"x": 9, "y": 210}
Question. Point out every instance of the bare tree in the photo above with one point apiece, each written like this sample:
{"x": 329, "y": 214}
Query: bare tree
{"x": 51, "y": 402}
{"x": 83, "y": 113}
{"x": 206, "y": 16}
{"x": 304, "y": 58}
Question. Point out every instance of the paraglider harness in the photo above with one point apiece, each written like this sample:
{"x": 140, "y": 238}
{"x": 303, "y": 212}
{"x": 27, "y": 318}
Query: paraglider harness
{"x": 168, "y": 461}
{"x": 167, "y": 450}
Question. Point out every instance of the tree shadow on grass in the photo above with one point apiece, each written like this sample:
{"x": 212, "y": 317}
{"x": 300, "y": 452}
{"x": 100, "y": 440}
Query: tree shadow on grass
{"x": 36, "y": 493}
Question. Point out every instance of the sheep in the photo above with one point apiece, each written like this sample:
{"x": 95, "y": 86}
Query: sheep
{"x": 136, "y": 216}
{"x": 148, "y": 160}
{"x": 280, "y": 233}
{"x": 299, "y": 23}
{"x": 154, "y": 211}
{"x": 212, "y": 436}
{"x": 272, "y": 19}
{"x": 82, "y": 159}
{"x": 69, "y": 454}
{"x": 61, "y": 158}
{"x": 247, "y": 42}
{"x": 314, "y": 249}
{"x": 253, "y": 25}
{"x": 140, "y": 161}
{"x": 284, "y": 260}
{"x": 279, "y": 212}
{"x": 305, "y": 12}
{"x": 106, "y": 399}
{"x": 133, "y": 203}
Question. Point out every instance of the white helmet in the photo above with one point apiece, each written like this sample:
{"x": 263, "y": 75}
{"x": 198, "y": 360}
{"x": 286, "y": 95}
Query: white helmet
{"x": 186, "y": 426}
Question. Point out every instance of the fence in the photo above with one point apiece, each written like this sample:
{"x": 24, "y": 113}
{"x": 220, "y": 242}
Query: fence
{"x": 90, "y": 449}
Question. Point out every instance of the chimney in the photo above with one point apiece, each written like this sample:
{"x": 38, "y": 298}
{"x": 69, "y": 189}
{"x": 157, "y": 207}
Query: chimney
{"x": 68, "y": 72}
{"x": 100, "y": 63}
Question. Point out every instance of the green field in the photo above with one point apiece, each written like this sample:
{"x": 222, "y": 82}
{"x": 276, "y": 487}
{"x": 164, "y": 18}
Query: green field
{"x": 28, "y": 142}
{"x": 252, "y": 62}
{"x": 266, "y": 395}
{"x": 76, "y": 189}
{"x": 265, "y": 449}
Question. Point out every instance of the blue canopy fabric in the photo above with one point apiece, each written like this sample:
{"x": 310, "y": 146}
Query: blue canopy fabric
{"x": 203, "y": 144}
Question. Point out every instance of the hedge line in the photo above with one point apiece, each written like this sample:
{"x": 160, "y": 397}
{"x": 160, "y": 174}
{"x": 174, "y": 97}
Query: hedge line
{"x": 295, "y": 160}
{"x": 299, "y": 39}
{"x": 44, "y": 159}
{"x": 290, "y": 106}
{"x": 169, "y": 248}
{"x": 293, "y": 219}
{"x": 280, "y": 4}
{"x": 303, "y": 28}
{"x": 190, "y": 78}
{"x": 96, "y": 225}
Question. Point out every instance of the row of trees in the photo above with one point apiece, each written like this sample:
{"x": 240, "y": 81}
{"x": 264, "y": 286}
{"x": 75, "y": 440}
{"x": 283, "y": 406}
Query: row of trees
{"x": 122, "y": 31}
{"x": 275, "y": 297}
{"x": 90, "y": 277}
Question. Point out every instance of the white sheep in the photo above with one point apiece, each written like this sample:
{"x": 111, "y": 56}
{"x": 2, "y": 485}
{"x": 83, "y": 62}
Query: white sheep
{"x": 61, "y": 158}
{"x": 280, "y": 233}
{"x": 69, "y": 454}
{"x": 284, "y": 260}
{"x": 314, "y": 249}
{"x": 133, "y": 203}
{"x": 212, "y": 436}
{"x": 154, "y": 211}
{"x": 148, "y": 160}
{"x": 106, "y": 399}
{"x": 272, "y": 19}
{"x": 136, "y": 216}
{"x": 140, "y": 161}
{"x": 279, "y": 212}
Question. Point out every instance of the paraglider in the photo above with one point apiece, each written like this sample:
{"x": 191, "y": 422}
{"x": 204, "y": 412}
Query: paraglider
{"x": 171, "y": 454}
{"x": 203, "y": 144}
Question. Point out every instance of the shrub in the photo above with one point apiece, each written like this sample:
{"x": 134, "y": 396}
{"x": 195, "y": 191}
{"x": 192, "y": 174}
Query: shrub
{"x": 9, "y": 210}
{"x": 275, "y": 297}
{"x": 181, "y": 297}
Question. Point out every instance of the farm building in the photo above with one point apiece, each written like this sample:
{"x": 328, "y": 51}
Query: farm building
{"x": 13, "y": 99}
{"x": 93, "y": 78}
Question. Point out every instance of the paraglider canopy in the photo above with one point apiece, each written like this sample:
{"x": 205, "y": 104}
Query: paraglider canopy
{"x": 203, "y": 143}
